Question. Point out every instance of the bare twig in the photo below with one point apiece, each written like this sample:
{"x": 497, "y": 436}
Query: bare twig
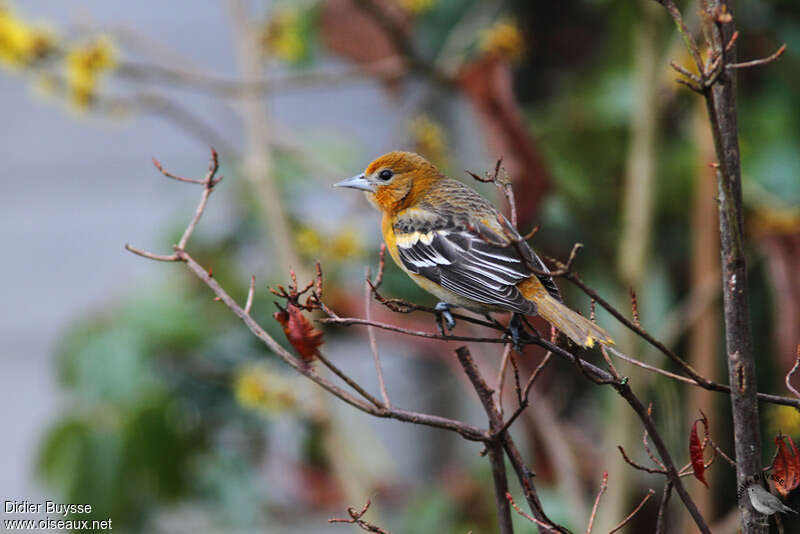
{"x": 229, "y": 88}
{"x": 686, "y": 34}
{"x": 757, "y": 62}
{"x": 603, "y": 486}
{"x": 250, "y": 294}
{"x": 373, "y": 345}
{"x": 501, "y": 377}
{"x": 356, "y": 518}
{"x": 495, "y": 448}
{"x": 640, "y": 467}
{"x": 625, "y": 521}
{"x": 526, "y": 515}
{"x": 150, "y": 255}
{"x": 347, "y": 380}
{"x": 501, "y": 440}
{"x": 661, "y": 522}
{"x": 791, "y": 373}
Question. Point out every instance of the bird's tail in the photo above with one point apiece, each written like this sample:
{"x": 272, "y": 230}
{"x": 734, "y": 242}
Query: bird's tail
{"x": 576, "y": 327}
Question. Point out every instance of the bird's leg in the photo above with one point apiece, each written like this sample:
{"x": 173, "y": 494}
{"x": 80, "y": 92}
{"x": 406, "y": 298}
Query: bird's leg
{"x": 517, "y": 331}
{"x": 443, "y": 308}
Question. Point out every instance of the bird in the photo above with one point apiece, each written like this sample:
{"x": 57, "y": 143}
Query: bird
{"x": 765, "y": 502}
{"x": 457, "y": 246}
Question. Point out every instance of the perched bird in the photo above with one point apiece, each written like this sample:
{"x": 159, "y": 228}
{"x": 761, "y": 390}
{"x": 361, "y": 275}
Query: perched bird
{"x": 765, "y": 502}
{"x": 457, "y": 246}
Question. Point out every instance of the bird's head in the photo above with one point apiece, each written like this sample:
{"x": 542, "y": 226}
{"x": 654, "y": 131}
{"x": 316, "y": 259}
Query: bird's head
{"x": 394, "y": 180}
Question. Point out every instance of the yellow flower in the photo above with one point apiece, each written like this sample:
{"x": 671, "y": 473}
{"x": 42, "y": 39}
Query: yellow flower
{"x": 504, "y": 39}
{"x": 257, "y": 387}
{"x": 344, "y": 245}
{"x": 417, "y": 6}
{"x": 85, "y": 65}
{"x": 429, "y": 139}
{"x": 784, "y": 419}
{"x": 283, "y": 37}
{"x": 21, "y": 44}
{"x": 309, "y": 242}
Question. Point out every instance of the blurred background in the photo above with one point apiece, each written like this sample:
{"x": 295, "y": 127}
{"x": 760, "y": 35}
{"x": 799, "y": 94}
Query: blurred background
{"x": 126, "y": 387}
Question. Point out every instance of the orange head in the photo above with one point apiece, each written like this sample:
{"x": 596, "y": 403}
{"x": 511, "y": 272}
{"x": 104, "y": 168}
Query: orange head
{"x": 393, "y": 181}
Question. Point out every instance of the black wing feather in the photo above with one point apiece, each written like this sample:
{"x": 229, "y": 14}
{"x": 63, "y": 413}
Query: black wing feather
{"x": 465, "y": 263}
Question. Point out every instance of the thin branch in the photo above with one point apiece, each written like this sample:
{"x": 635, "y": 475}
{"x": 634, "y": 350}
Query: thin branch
{"x": 699, "y": 381}
{"x": 625, "y": 521}
{"x": 661, "y": 522}
{"x": 347, "y": 380}
{"x": 150, "y": 255}
{"x": 757, "y": 62}
{"x": 524, "y": 394}
{"x": 640, "y": 467}
{"x": 356, "y": 518}
{"x": 208, "y": 185}
{"x": 691, "y": 44}
{"x": 373, "y": 345}
{"x": 229, "y": 88}
{"x": 250, "y": 294}
{"x": 501, "y": 377}
{"x": 791, "y": 373}
{"x": 495, "y": 448}
{"x": 501, "y": 439}
{"x": 603, "y": 486}
{"x": 526, "y": 515}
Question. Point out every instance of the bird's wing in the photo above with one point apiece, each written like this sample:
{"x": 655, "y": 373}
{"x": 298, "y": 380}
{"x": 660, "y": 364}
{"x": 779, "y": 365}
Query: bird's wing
{"x": 471, "y": 260}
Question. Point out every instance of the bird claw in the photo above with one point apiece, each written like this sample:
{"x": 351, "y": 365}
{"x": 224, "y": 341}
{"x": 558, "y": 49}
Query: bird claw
{"x": 443, "y": 309}
{"x": 517, "y": 333}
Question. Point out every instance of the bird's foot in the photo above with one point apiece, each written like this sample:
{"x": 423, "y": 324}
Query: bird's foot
{"x": 517, "y": 332}
{"x": 443, "y": 309}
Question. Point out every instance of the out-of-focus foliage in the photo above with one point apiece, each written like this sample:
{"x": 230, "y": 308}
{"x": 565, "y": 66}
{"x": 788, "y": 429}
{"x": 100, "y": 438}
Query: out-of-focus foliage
{"x": 21, "y": 43}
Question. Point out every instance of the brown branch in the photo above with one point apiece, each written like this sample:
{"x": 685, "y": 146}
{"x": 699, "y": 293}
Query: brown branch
{"x": 757, "y": 62}
{"x": 250, "y": 294}
{"x": 721, "y": 105}
{"x": 501, "y": 439}
{"x": 373, "y": 345}
{"x": 603, "y": 486}
{"x": 625, "y": 521}
{"x": 791, "y": 372}
{"x": 661, "y": 521}
{"x": 525, "y": 392}
{"x": 356, "y": 518}
{"x": 501, "y": 377}
{"x": 229, "y": 88}
{"x": 495, "y": 448}
{"x": 691, "y": 44}
{"x": 526, "y": 515}
{"x": 640, "y": 467}
{"x": 347, "y": 380}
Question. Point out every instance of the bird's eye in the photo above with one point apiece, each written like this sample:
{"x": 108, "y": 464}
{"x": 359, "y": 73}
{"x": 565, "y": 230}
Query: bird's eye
{"x": 385, "y": 174}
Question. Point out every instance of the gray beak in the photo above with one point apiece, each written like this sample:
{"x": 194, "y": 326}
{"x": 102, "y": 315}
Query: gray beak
{"x": 356, "y": 182}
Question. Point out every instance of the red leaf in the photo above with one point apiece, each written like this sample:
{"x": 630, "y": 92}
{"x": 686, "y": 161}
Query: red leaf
{"x": 696, "y": 452}
{"x": 345, "y": 28}
{"x": 298, "y": 330}
{"x": 786, "y": 466}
